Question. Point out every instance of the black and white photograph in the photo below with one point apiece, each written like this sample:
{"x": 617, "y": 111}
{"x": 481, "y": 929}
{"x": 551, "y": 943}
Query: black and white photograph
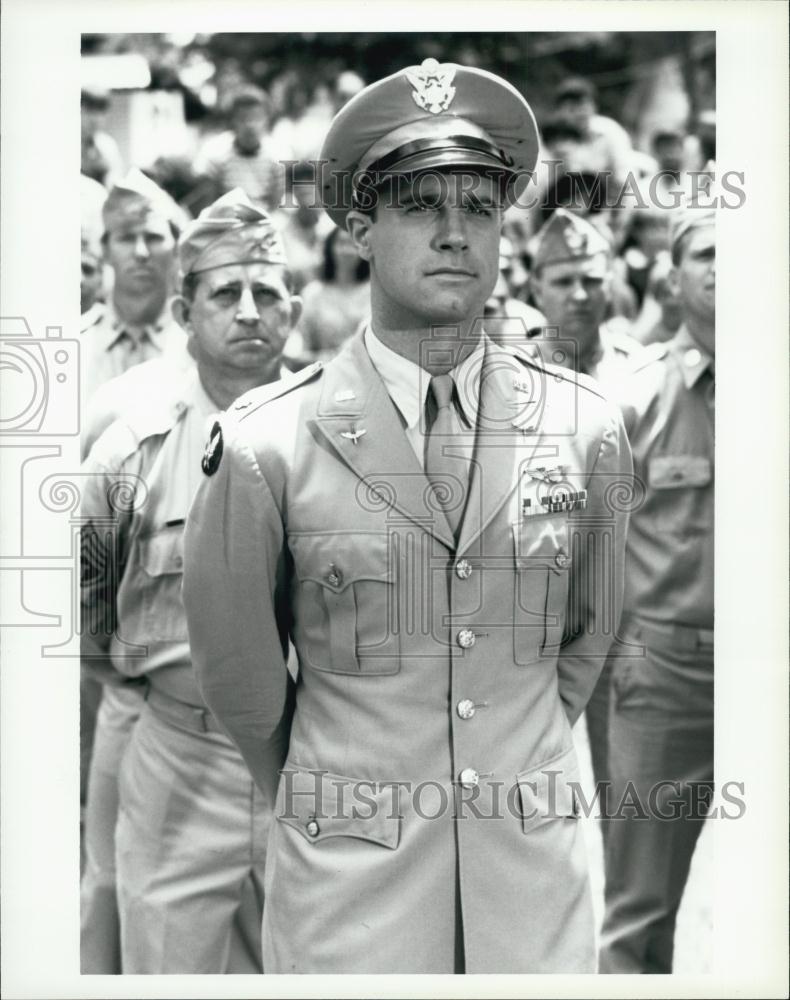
{"x": 377, "y": 595}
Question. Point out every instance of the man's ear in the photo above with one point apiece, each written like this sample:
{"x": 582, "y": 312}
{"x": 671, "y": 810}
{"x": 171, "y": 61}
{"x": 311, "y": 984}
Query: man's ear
{"x": 358, "y": 225}
{"x": 673, "y": 281}
{"x": 296, "y": 310}
{"x": 180, "y": 308}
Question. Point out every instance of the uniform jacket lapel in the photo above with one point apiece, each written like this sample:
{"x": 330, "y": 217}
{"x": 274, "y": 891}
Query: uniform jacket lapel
{"x": 359, "y": 421}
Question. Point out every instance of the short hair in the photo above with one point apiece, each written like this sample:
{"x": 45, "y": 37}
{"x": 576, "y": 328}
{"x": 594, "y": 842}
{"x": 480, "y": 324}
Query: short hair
{"x": 249, "y": 97}
{"x": 190, "y": 282}
{"x": 575, "y": 88}
{"x": 328, "y": 270}
{"x": 560, "y": 128}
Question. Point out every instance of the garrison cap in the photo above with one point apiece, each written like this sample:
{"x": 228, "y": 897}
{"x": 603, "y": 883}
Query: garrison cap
{"x": 433, "y": 116}
{"x": 231, "y": 231}
{"x": 691, "y": 215}
{"x": 134, "y": 198}
{"x": 567, "y": 237}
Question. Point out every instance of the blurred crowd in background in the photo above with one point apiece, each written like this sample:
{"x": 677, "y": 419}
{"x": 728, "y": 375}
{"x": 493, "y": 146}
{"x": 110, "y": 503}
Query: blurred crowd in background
{"x": 619, "y": 113}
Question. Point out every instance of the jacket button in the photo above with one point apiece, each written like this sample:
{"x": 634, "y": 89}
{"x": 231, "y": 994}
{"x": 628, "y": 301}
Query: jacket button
{"x": 465, "y": 638}
{"x": 469, "y": 778}
{"x": 334, "y": 577}
{"x": 313, "y": 829}
{"x": 465, "y": 708}
{"x": 561, "y": 559}
{"x": 463, "y": 569}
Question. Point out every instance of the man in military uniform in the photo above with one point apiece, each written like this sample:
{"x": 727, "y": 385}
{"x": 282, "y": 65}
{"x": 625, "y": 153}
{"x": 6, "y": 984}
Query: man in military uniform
{"x": 192, "y": 827}
{"x": 141, "y": 224}
{"x": 420, "y": 516}
{"x": 571, "y": 281}
{"x": 661, "y": 725}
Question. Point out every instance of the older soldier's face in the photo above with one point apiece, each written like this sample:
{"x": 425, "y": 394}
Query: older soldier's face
{"x": 695, "y": 276}
{"x": 141, "y": 254}
{"x": 433, "y": 250}
{"x": 241, "y": 316}
{"x": 573, "y": 296}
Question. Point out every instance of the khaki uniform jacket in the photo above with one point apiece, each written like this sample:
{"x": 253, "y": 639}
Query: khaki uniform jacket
{"x": 434, "y": 680}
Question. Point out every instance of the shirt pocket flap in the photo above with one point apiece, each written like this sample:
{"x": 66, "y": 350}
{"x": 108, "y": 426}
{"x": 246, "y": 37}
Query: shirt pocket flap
{"x": 541, "y": 541}
{"x": 337, "y": 559}
{"x": 163, "y": 552}
{"x": 549, "y": 791}
{"x": 321, "y": 806}
{"x": 667, "y": 472}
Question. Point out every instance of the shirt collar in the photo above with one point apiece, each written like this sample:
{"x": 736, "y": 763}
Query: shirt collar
{"x": 118, "y": 328}
{"x": 407, "y": 383}
{"x": 692, "y": 358}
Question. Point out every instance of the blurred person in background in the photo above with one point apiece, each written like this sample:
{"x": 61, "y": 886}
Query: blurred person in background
{"x": 335, "y": 305}
{"x": 661, "y": 313}
{"x": 92, "y": 198}
{"x": 510, "y": 321}
{"x": 661, "y": 710}
{"x": 647, "y": 237}
{"x": 191, "y": 827}
{"x": 100, "y": 156}
{"x": 304, "y": 226}
{"x": 139, "y": 239}
{"x": 245, "y": 156}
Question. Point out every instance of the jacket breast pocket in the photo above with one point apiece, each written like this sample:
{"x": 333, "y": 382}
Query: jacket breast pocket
{"x": 542, "y": 563}
{"x": 681, "y": 495}
{"x": 345, "y": 602}
{"x": 161, "y": 615}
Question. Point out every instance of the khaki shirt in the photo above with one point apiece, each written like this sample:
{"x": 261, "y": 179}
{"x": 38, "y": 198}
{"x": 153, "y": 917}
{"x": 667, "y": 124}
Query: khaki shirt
{"x": 110, "y": 347}
{"x": 668, "y": 411}
{"x": 140, "y": 478}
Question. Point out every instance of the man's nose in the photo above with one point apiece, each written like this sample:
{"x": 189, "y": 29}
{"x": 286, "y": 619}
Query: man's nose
{"x": 452, "y": 233}
{"x": 579, "y": 292}
{"x": 141, "y": 247}
{"x": 247, "y": 311}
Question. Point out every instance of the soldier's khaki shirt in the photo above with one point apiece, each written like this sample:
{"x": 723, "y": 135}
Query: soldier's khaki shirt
{"x": 140, "y": 478}
{"x": 668, "y": 410}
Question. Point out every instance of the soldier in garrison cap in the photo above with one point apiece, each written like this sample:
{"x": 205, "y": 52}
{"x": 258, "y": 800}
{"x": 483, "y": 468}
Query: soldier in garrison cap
{"x": 415, "y": 516}
{"x": 571, "y": 282}
{"x": 661, "y": 725}
{"x": 141, "y": 225}
{"x": 191, "y": 830}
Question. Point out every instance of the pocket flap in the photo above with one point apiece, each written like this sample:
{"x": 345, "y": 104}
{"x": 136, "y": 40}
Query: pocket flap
{"x": 321, "y": 805}
{"x": 666, "y": 472}
{"x": 549, "y": 791}
{"x": 163, "y": 552}
{"x": 336, "y": 559}
{"x": 542, "y": 541}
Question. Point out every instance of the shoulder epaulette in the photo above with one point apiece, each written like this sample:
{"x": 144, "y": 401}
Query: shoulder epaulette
{"x": 262, "y": 394}
{"x": 651, "y": 353}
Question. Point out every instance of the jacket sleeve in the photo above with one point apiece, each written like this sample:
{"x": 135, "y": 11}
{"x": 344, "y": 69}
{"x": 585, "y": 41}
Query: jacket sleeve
{"x": 235, "y": 597}
{"x": 595, "y": 597}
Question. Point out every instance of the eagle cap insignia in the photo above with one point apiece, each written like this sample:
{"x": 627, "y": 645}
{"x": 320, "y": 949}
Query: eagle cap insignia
{"x": 575, "y": 240}
{"x": 432, "y": 82}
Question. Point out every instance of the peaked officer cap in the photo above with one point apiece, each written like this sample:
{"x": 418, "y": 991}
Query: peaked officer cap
{"x": 439, "y": 116}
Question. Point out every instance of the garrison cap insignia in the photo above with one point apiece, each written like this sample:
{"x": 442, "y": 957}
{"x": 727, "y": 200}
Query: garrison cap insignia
{"x": 212, "y": 456}
{"x": 433, "y": 90}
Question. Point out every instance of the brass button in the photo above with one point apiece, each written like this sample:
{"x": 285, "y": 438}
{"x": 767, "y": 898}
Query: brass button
{"x": 692, "y": 357}
{"x": 469, "y": 778}
{"x": 561, "y": 559}
{"x": 465, "y": 638}
{"x": 334, "y": 577}
{"x": 465, "y": 708}
{"x": 463, "y": 569}
{"x": 313, "y": 829}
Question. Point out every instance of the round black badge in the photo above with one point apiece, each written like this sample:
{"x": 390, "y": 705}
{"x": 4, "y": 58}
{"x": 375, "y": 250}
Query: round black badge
{"x": 212, "y": 456}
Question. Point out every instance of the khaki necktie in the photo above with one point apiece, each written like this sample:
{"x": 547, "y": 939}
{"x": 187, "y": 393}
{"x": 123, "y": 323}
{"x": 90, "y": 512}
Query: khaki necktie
{"x": 446, "y": 472}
